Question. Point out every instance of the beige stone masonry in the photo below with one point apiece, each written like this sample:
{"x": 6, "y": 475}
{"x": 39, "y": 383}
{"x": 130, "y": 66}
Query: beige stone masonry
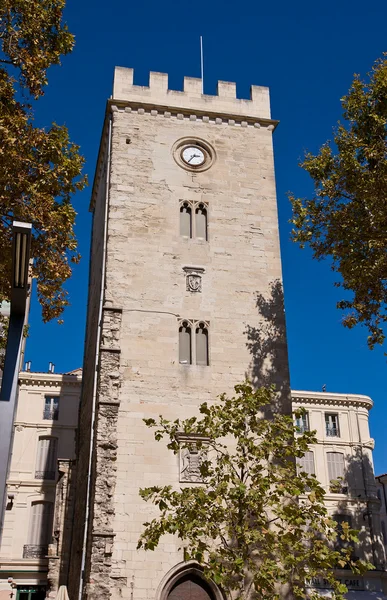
{"x": 191, "y": 98}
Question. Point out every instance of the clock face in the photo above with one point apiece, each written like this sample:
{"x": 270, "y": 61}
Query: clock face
{"x": 193, "y": 156}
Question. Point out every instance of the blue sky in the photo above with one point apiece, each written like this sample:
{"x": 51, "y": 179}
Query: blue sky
{"x": 307, "y": 54}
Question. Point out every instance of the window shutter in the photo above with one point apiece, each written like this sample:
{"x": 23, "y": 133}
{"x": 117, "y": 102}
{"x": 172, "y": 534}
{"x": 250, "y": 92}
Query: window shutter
{"x": 201, "y": 345}
{"x": 51, "y": 458}
{"x": 201, "y": 222}
{"x": 306, "y": 463}
{"x": 35, "y": 524}
{"x": 46, "y": 459}
{"x": 185, "y": 344}
{"x": 40, "y": 523}
{"x": 335, "y": 462}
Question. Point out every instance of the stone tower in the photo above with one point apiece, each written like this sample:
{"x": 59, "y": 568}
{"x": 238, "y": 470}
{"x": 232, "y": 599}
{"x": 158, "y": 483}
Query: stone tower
{"x": 184, "y": 301}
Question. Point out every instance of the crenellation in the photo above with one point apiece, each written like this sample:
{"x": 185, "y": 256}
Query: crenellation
{"x": 192, "y": 97}
{"x": 226, "y": 89}
{"x": 158, "y": 81}
{"x": 192, "y": 86}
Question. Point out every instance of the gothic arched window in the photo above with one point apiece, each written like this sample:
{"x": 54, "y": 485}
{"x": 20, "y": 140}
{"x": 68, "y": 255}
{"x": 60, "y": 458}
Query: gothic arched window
{"x": 201, "y": 342}
{"x": 185, "y": 354}
{"x": 201, "y": 222}
{"x": 190, "y": 587}
{"x": 185, "y": 220}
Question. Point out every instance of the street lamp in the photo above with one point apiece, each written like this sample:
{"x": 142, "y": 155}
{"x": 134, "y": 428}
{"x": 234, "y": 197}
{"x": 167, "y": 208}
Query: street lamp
{"x": 21, "y": 248}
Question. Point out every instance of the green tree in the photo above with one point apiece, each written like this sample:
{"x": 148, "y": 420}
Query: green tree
{"x": 40, "y": 169}
{"x": 346, "y": 219}
{"x": 255, "y": 523}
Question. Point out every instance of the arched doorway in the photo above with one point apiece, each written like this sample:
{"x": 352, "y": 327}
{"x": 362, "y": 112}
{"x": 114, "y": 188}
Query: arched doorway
{"x": 190, "y": 587}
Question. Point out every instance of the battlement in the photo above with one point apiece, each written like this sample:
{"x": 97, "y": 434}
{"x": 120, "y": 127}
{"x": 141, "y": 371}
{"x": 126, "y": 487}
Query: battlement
{"x": 158, "y": 94}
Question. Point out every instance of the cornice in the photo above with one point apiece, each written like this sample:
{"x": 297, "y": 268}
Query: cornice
{"x": 190, "y": 114}
{"x": 328, "y": 399}
{"x": 43, "y": 425}
{"x": 56, "y": 380}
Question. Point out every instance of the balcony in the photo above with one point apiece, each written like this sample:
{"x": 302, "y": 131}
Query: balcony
{"x": 302, "y": 428}
{"x": 35, "y": 550}
{"x": 51, "y": 414}
{"x": 332, "y": 431}
{"x": 44, "y": 474}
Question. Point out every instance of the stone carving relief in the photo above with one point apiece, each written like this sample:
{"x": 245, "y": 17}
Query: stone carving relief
{"x": 193, "y": 279}
{"x": 191, "y": 459}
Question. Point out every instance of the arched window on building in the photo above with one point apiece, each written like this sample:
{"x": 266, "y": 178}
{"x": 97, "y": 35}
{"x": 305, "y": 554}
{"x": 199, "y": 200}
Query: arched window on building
{"x": 40, "y": 530}
{"x": 190, "y": 587}
{"x": 185, "y": 354}
{"x": 201, "y": 222}
{"x": 46, "y": 457}
{"x": 185, "y": 220}
{"x": 201, "y": 341}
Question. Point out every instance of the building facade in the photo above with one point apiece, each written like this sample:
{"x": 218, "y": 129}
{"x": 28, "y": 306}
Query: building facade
{"x": 184, "y": 301}
{"x": 342, "y": 462}
{"x": 44, "y": 431}
{"x": 381, "y": 485}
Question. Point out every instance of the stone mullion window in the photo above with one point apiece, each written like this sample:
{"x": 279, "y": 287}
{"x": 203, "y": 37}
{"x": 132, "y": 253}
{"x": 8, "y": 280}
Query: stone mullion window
{"x": 186, "y": 210}
{"x": 201, "y": 344}
{"x": 193, "y": 342}
{"x": 194, "y": 220}
{"x": 185, "y": 342}
{"x": 200, "y": 221}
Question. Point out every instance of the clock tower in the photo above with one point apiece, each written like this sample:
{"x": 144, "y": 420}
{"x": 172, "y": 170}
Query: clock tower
{"x": 184, "y": 302}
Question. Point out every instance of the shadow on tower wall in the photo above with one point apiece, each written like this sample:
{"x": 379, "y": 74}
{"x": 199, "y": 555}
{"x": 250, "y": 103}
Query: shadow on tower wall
{"x": 268, "y": 347}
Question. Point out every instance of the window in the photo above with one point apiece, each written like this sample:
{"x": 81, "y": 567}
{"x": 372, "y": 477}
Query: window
{"x": 193, "y": 349}
{"x": 302, "y": 422}
{"x": 335, "y": 462}
{"x": 40, "y": 530}
{"x": 306, "y": 463}
{"x": 51, "y": 408}
{"x": 185, "y": 356}
{"x": 332, "y": 425}
{"x": 194, "y": 220}
{"x": 191, "y": 587}
{"x": 31, "y": 592}
{"x": 201, "y": 339}
{"x": 46, "y": 458}
{"x": 201, "y": 222}
{"x": 185, "y": 220}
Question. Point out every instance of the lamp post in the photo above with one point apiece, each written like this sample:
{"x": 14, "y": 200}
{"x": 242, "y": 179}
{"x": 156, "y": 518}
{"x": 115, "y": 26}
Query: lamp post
{"x": 21, "y": 248}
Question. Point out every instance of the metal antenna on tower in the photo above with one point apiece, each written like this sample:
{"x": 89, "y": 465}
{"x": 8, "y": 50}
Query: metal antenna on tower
{"x": 201, "y": 63}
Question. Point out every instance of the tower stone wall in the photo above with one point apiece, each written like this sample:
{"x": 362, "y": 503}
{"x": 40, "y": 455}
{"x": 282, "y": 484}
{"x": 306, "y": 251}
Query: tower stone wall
{"x": 147, "y": 296}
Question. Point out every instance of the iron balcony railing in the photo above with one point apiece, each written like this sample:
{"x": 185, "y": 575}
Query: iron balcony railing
{"x": 302, "y": 428}
{"x": 35, "y": 550}
{"x": 51, "y": 414}
{"x": 44, "y": 474}
{"x": 332, "y": 431}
